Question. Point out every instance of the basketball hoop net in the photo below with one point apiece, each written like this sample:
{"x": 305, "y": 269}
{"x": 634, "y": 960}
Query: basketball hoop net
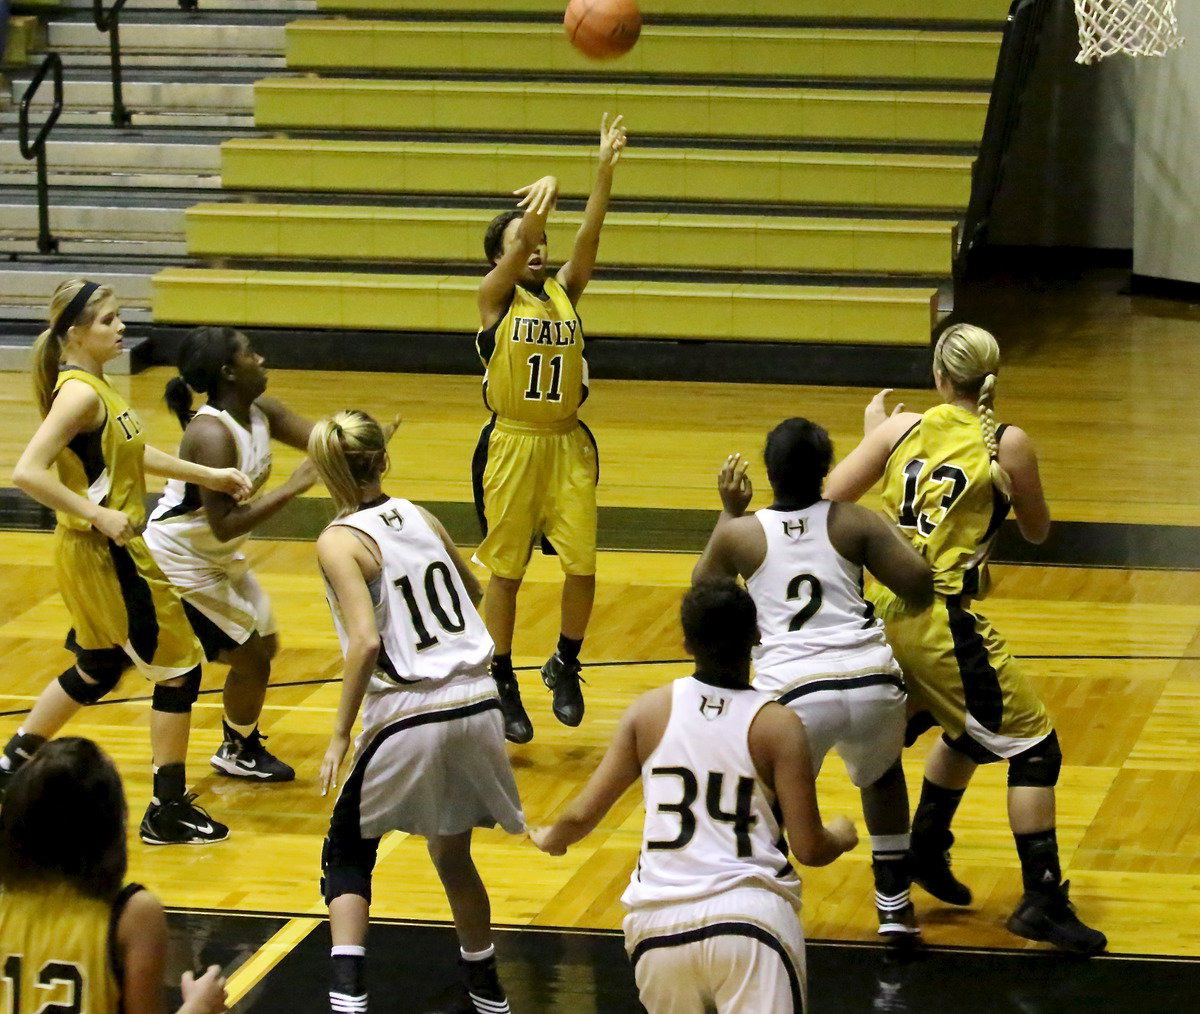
{"x": 1136, "y": 27}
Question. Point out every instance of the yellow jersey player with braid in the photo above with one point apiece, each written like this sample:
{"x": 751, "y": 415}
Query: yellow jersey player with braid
{"x": 950, "y": 476}
{"x": 535, "y": 467}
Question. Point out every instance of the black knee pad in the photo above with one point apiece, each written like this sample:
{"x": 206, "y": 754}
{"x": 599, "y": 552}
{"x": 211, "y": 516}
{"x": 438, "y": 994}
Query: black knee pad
{"x": 103, "y": 668}
{"x": 1037, "y": 767}
{"x": 346, "y": 868}
{"x": 177, "y": 700}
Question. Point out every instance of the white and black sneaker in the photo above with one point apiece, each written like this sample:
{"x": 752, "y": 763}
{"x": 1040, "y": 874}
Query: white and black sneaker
{"x": 180, "y": 822}
{"x": 246, "y": 757}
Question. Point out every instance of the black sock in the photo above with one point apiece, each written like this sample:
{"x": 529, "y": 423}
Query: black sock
{"x": 20, "y": 748}
{"x": 502, "y": 669}
{"x": 1039, "y": 860}
{"x": 347, "y": 994}
{"x": 170, "y": 782}
{"x": 935, "y": 811}
{"x": 568, "y": 648}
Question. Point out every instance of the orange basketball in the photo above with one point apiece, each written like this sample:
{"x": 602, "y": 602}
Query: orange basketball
{"x": 602, "y": 29}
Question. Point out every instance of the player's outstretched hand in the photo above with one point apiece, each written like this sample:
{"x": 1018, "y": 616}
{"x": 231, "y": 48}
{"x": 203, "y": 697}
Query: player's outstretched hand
{"x": 539, "y": 197}
{"x": 232, "y": 481}
{"x": 334, "y": 755}
{"x": 541, "y": 837}
{"x": 205, "y": 995}
{"x": 612, "y": 139}
{"x": 734, "y": 486}
{"x": 876, "y": 412}
{"x": 115, "y": 526}
{"x": 843, "y": 831}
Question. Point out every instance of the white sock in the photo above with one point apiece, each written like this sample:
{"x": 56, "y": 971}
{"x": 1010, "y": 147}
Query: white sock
{"x": 348, "y": 951}
{"x": 483, "y": 955}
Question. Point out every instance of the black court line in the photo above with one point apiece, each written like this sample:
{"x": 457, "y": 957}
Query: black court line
{"x": 1071, "y": 543}
{"x": 18, "y": 712}
{"x": 555, "y": 971}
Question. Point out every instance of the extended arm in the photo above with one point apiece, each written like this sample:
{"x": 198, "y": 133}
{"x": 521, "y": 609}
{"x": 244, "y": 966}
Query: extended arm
{"x": 207, "y": 443}
{"x": 286, "y": 426}
{"x": 341, "y": 556}
{"x": 859, "y": 470}
{"x": 577, "y": 272}
{"x": 496, "y": 289}
{"x": 729, "y": 551}
{"x": 617, "y": 771}
{"x": 469, "y": 580}
{"x": 1018, "y": 458}
{"x": 168, "y": 466}
{"x": 142, "y": 950}
{"x": 887, "y": 554}
{"x": 777, "y": 735}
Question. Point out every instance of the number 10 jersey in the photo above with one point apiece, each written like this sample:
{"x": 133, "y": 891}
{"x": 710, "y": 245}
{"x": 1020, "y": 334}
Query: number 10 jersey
{"x": 711, "y": 825}
{"x": 428, "y": 629}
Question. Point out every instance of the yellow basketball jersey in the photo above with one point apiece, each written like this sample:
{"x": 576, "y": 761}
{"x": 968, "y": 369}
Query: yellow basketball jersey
{"x": 937, "y": 486}
{"x": 536, "y": 373}
{"x": 107, "y": 465}
{"x": 55, "y": 952}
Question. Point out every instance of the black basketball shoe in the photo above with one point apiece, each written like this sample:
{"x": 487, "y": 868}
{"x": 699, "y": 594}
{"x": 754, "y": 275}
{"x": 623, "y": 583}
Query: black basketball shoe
{"x": 480, "y": 992}
{"x": 563, "y": 679}
{"x": 246, "y": 757}
{"x": 180, "y": 822}
{"x": 931, "y": 869}
{"x": 517, "y": 726}
{"x": 1049, "y": 916}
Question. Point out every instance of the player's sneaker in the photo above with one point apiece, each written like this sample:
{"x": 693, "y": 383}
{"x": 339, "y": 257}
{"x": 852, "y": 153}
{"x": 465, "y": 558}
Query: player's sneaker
{"x": 563, "y": 679}
{"x": 931, "y": 869}
{"x": 1050, "y": 916}
{"x": 246, "y": 757}
{"x": 898, "y": 927}
{"x": 180, "y": 822}
{"x": 517, "y": 726}
{"x": 481, "y": 991}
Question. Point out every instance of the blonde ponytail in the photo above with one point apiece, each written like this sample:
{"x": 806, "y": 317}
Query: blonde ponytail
{"x": 48, "y": 348}
{"x": 349, "y": 453}
{"x": 969, "y": 358}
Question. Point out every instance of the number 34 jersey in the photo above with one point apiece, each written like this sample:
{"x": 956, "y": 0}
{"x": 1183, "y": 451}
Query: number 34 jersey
{"x": 536, "y": 373}
{"x": 711, "y": 825}
{"x": 812, "y": 618}
{"x": 428, "y": 629}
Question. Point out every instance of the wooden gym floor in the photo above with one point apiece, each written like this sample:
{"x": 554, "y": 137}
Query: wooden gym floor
{"x": 1102, "y": 382}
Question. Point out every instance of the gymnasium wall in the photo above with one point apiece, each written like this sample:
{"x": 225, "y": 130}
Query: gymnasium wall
{"x": 1167, "y": 159}
{"x": 1069, "y": 181}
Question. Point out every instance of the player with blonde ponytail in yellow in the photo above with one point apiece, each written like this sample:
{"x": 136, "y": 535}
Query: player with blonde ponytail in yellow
{"x": 950, "y": 476}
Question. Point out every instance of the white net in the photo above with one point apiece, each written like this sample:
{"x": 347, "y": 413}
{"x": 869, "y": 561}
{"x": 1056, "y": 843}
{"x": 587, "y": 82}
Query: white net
{"x": 1136, "y": 27}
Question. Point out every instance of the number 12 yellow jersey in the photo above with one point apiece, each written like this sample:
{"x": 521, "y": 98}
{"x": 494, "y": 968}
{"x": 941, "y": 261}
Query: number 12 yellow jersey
{"x": 536, "y": 373}
{"x": 937, "y": 487}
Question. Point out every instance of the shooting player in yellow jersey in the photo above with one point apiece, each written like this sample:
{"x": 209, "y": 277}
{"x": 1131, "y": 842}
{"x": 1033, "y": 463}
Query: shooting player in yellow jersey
{"x": 535, "y": 467}
{"x": 949, "y": 478}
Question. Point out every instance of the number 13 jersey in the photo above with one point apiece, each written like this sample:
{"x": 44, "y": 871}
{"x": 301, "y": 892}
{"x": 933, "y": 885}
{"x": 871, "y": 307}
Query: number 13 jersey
{"x": 711, "y": 825}
{"x": 428, "y": 629}
{"x": 536, "y": 373}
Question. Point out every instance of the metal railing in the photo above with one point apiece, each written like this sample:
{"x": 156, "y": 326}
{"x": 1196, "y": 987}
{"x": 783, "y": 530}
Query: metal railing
{"x": 1018, "y": 53}
{"x": 109, "y": 21}
{"x": 52, "y": 64}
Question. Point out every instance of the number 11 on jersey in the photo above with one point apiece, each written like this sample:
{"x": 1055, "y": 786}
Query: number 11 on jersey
{"x": 534, "y": 392}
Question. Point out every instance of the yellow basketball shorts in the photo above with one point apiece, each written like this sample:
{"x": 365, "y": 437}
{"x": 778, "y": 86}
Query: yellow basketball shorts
{"x": 535, "y": 484}
{"x": 118, "y": 598}
{"x": 958, "y": 668}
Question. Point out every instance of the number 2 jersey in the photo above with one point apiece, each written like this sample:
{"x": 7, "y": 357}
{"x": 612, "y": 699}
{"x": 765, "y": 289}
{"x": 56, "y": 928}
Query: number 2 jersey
{"x": 937, "y": 486}
{"x": 711, "y": 825}
{"x": 813, "y": 621}
{"x": 428, "y": 629}
{"x": 536, "y": 373}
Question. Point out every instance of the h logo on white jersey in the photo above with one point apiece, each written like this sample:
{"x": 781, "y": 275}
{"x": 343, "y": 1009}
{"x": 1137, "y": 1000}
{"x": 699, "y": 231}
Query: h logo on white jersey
{"x": 393, "y": 519}
{"x": 794, "y": 529}
{"x": 712, "y": 708}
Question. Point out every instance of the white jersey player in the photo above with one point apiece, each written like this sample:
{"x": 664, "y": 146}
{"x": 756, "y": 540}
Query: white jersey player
{"x": 197, "y": 536}
{"x": 822, "y": 652}
{"x": 431, "y": 759}
{"x": 714, "y": 903}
